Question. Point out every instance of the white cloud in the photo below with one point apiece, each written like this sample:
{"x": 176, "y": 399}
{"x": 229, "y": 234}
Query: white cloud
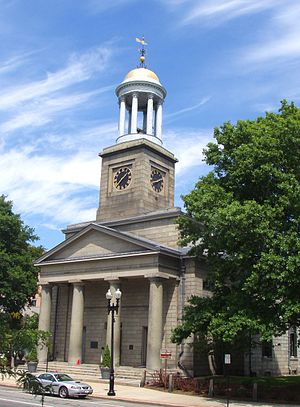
{"x": 14, "y": 62}
{"x": 202, "y": 102}
{"x": 281, "y": 39}
{"x": 79, "y": 68}
{"x": 276, "y": 38}
{"x": 49, "y": 184}
{"x": 38, "y": 114}
{"x": 63, "y": 188}
{"x": 94, "y": 137}
{"x": 187, "y": 145}
{"x": 218, "y": 11}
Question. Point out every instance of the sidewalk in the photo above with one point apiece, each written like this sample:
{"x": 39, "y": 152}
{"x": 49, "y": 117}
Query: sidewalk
{"x": 160, "y": 398}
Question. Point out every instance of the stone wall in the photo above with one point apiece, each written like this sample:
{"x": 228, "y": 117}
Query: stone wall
{"x": 140, "y": 156}
{"x": 278, "y": 363}
{"x": 95, "y": 320}
{"x": 163, "y": 231}
{"x": 170, "y": 320}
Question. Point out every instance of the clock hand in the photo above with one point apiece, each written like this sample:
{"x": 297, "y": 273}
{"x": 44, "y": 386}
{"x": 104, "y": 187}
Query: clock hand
{"x": 157, "y": 180}
{"x": 124, "y": 176}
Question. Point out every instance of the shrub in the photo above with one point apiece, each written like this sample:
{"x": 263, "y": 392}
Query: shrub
{"x": 32, "y": 356}
{"x": 106, "y": 357}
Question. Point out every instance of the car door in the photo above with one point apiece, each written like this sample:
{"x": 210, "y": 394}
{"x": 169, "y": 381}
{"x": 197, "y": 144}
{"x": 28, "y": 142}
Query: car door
{"x": 46, "y": 380}
{"x": 54, "y": 384}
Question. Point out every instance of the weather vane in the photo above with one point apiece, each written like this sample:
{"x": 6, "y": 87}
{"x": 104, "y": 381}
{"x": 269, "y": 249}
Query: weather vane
{"x": 142, "y": 51}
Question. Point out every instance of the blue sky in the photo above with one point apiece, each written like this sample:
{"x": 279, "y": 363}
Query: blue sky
{"x": 60, "y": 61}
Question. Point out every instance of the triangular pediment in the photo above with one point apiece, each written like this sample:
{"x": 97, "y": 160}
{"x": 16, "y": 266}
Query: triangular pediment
{"x": 94, "y": 241}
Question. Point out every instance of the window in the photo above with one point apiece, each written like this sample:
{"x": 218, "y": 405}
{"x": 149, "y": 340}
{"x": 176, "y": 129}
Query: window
{"x": 94, "y": 345}
{"x": 293, "y": 342}
{"x": 266, "y": 349}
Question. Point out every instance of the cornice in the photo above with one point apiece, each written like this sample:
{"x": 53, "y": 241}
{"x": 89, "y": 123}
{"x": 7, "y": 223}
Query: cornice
{"x": 137, "y": 144}
{"x": 172, "y": 213}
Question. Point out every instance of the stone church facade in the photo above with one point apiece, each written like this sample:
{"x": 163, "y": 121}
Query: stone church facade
{"x": 131, "y": 245}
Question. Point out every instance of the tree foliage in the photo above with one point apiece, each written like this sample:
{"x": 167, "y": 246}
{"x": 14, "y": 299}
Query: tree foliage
{"x": 18, "y": 276}
{"x": 22, "y": 339}
{"x": 18, "y": 283}
{"x": 244, "y": 217}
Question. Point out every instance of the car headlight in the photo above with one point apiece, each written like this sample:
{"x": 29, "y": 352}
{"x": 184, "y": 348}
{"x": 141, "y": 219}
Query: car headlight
{"x": 75, "y": 387}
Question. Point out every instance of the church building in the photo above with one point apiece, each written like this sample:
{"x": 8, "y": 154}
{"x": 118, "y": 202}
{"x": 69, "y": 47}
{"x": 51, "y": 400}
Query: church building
{"x": 132, "y": 245}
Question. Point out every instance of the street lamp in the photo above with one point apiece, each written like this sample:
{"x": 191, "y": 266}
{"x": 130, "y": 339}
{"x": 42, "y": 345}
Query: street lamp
{"x": 113, "y": 308}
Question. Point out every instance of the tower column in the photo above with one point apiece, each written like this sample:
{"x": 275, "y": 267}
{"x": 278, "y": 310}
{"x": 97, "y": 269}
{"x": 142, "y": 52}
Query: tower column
{"x": 44, "y": 318}
{"x": 155, "y": 323}
{"x": 114, "y": 285}
{"x": 149, "y": 114}
{"x": 122, "y": 116}
{"x": 144, "y": 122}
{"x": 75, "y": 346}
{"x": 158, "y": 124}
{"x": 129, "y": 121}
{"x": 134, "y": 113}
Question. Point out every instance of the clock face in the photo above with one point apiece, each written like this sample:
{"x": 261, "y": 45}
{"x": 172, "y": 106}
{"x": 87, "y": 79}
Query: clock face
{"x": 122, "y": 178}
{"x": 157, "y": 180}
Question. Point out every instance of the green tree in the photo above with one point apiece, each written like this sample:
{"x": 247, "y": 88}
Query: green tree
{"x": 18, "y": 276}
{"x": 244, "y": 219}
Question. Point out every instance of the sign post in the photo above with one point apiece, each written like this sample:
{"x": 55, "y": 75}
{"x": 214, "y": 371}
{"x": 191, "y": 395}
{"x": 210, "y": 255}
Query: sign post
{"x": 227, "y": 362}
{"x": 165, "y": 355}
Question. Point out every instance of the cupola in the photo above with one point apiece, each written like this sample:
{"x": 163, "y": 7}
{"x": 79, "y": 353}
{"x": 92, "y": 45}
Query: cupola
{"x": 141, "y": 96}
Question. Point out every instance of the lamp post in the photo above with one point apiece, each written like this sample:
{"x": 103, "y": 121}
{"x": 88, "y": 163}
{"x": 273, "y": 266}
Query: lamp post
{"x": 113, "y": 308}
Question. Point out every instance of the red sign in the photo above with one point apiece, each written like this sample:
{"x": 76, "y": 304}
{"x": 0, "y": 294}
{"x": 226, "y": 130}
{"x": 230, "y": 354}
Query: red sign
{"x": 165, "y": 355}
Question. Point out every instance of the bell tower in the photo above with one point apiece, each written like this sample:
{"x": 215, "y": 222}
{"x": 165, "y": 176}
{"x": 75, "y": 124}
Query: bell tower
{"x": 137, "y": 175}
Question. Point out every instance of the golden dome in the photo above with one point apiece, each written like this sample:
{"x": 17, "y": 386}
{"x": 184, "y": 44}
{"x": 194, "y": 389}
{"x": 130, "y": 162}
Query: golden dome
{"x": 141, "y": 74}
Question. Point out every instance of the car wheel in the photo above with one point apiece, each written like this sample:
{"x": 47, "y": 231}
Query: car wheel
{"x": 63, "y": 392}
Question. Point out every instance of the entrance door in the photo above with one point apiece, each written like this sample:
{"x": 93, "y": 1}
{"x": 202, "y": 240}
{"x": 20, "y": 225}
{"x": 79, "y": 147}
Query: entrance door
{"x": 144, "y": 345}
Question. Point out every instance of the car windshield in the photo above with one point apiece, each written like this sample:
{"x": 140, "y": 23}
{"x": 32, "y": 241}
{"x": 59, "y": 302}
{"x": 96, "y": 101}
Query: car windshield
{"x": 63, "y": 378}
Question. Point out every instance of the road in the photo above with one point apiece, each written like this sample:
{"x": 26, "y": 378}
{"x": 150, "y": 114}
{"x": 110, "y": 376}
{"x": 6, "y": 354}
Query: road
{"x": 17, "y": 398}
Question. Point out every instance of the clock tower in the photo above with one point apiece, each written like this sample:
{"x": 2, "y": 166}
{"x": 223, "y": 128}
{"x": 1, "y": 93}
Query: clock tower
{"x": 137, "y": 175}
{"x": 131, "y": 246}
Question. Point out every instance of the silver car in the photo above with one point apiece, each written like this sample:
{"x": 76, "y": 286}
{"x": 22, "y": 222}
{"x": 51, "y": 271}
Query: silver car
{"x": 63, "y": 385}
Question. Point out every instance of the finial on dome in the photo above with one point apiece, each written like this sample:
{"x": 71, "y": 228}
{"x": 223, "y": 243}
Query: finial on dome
{"x": 142, "y": 51}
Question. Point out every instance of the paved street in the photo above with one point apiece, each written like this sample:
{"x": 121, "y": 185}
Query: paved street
{"x": 15, "y": 397}
{"x": 127, "y": 396}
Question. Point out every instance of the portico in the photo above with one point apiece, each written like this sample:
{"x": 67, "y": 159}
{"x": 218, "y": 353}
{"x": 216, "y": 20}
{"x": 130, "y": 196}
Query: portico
{"x": 139, "y": 275}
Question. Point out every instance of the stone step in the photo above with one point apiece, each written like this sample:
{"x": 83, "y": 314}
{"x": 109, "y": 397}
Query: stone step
{"x": 69, "y": 369}
{"x": 89, "y": 371}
